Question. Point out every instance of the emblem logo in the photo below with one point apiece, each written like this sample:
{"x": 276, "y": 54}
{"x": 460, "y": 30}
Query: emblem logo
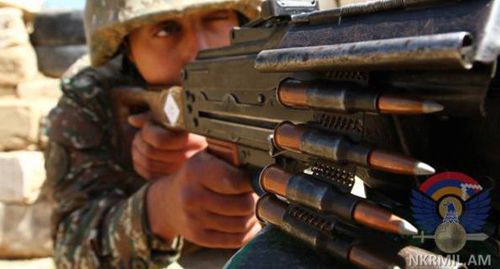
{"x": 171, "y": 110}
{"x": 451, "y": 208}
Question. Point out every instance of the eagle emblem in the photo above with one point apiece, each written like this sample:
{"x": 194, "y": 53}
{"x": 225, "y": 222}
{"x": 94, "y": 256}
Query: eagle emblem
{"x": 451, "y": 208}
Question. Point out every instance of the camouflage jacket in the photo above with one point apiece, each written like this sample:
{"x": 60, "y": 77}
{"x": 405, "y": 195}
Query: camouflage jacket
{"x": 100, "y": 220}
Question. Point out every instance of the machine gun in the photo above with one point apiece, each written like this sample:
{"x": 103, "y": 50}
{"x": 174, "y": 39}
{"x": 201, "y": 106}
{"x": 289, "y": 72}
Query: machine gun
{"x": 313, "y": 99}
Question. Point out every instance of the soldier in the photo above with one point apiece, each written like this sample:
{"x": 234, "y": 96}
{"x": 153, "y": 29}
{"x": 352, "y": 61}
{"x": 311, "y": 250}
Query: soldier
{"x": 109, "y": 213}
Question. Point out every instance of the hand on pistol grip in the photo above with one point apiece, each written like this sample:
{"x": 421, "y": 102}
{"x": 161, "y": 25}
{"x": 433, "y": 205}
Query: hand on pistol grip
{"x": 158, "y": 152}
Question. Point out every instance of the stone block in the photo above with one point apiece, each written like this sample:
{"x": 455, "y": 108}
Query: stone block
{"x": 27, "y": 6}
{"x": 8, "y": 91}
{"x": 39, "y": 87}
{"x": 13, "y": 31}
{"x": 21, "y": 122}
{"x": 17, "y": 64}
{"x": 25, "y": 230}
{"x": 43, "y": 263}
{"x": 23, "y": 174}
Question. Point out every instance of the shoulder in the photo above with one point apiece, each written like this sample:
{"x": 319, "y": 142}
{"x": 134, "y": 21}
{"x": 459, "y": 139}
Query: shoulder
{"x": 76, "y": 119}
{"x": 84, "y": 112}
{"x": 90, "y": 87}
{"x": 85, "y": 83}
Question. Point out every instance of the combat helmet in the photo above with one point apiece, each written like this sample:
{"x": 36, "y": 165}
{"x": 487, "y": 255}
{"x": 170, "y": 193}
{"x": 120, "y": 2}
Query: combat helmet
{"x": 107, "y": 22}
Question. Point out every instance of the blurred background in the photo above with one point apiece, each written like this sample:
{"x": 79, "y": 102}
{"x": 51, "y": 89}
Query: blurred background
{"x": 39, "y": 41}
{"x": 63, "y": 4}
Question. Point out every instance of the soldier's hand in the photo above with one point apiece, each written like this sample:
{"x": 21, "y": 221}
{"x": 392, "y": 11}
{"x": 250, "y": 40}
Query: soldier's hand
{"x": 208, "y": 202}
{"x": 158, "y": 152}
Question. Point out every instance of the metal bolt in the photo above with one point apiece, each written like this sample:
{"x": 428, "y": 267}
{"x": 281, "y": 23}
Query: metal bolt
{"x": 261, "y": 98}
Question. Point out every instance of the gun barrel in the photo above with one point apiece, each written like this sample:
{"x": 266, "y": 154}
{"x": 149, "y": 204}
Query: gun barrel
{"x": 450, "y": 50}
{"x": 340, "y": 98}
{"x": 274, "y": 211}
{"x": 289, "y": 136}
{"x": 306, "y": 190}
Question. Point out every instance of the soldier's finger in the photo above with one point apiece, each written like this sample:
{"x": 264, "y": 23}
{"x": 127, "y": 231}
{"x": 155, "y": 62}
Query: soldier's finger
{"x": 161, "y": 155}
{"x": 227, "y": 224}
{"x": 138, "y": 120}
{"x": 145, "y": 173}
{"x": 162, "y": 138}
{"x": 228, "y": 205}
{"x": 154, "y": 166}
{"x": 225, "y": 178}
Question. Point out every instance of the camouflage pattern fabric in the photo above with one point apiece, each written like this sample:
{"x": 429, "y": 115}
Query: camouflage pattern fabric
{"x": 100, "y": 221}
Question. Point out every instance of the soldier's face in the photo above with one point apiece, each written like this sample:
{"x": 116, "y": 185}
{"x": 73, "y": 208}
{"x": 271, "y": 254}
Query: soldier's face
{"x": 160, "y": 51}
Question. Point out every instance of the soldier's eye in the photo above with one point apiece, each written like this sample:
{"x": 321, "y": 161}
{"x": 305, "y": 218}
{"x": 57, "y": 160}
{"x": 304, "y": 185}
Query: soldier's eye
{"x": 168, "y": 28}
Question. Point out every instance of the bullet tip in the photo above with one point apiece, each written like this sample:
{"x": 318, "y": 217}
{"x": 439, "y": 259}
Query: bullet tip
{"x": 422, "y": 169}
{"x": 406, "y": 228}
{"x": 429, "y": 106}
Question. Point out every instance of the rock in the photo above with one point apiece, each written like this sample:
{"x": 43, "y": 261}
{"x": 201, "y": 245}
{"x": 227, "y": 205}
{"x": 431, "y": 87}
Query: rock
{"x": 27, "y": 6}
{"x": 39, "y": 87}
{"x": 44, "y": 263}
{"x": 8, "y": 91}
{"x": 20, "y": 128}
{"x": 17, "y": 63}
{"x": 12, "y": 28}
{"x": 23, "y": 174}
{"x": 25, "y": 230}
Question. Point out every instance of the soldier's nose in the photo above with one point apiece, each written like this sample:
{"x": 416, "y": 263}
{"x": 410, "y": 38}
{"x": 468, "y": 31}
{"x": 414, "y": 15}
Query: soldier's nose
{"x": 194, "y": 41}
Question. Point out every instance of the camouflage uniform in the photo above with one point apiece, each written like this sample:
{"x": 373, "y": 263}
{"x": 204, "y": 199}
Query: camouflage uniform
{"x": 100, "y": 220}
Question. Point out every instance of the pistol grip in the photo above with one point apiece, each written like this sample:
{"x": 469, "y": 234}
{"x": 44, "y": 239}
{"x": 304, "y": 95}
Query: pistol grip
{"x": 225, "y": 150}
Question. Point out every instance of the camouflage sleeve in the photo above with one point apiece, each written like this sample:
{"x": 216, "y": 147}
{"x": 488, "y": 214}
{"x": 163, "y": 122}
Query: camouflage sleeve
{"x": 100, "y": 220}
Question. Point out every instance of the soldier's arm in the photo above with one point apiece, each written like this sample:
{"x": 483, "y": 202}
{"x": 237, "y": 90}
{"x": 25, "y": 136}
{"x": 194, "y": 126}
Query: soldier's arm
{"x": 100, "y": 220}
